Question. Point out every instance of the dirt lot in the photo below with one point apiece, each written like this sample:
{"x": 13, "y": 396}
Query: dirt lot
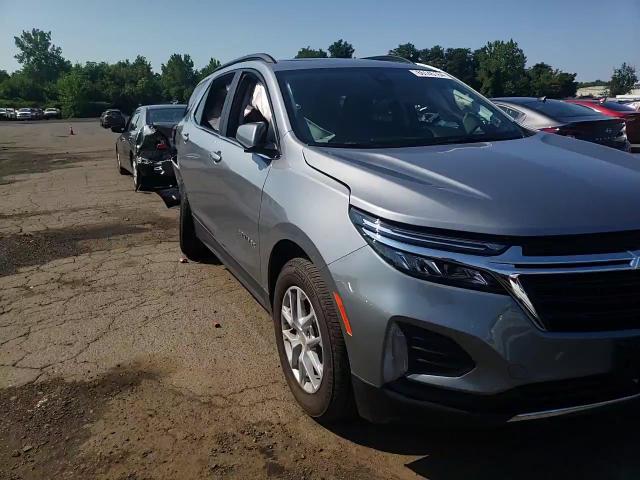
{"x": 112, "y": 367}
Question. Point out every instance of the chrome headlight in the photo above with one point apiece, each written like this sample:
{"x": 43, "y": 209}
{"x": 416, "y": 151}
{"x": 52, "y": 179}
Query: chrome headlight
{"x": 397, "y": 246}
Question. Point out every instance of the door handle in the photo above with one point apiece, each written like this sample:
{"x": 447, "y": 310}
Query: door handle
{"x": 185, "y": 136}
{"x": 215, "y": 156}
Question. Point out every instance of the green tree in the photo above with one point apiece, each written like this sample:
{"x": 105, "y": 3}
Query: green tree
{"x": 406, "y": 50}
{"x": 209, "y": 68}
{"x": 341, "y": 49}
{"x": 40, "y": 59}
{"x": 178, "y": 77}
{"x": 501, "y": 69}
{"x": 623, "y": 80}
{"x": 549, "y": 82}
{"x": 461, "y": 63}
{"x": 308, "y": 52}
{"x": 74, "y": 90}
{"x": 20, "y": 86}
{"x": 434, "y": 56}
{"x": 129, "y": 84}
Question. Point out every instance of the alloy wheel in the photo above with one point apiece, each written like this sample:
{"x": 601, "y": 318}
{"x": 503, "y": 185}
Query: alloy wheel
{"x": 302, "y": 339}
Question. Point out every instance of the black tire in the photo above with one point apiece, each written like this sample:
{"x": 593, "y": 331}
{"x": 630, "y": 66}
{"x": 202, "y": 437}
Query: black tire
{"x": 122, "y": 171}
{"x": 190, "y": 244}
{"x": 333, "y": 401}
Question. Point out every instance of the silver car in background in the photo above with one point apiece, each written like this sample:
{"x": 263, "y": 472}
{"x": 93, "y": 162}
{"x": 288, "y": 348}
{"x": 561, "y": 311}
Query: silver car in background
{"x": 24, "y": 114}
{"x": 419, "y": 251}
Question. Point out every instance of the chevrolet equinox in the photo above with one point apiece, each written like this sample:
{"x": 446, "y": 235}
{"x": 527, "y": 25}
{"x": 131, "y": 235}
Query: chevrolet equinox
{"x": 418, "y": 250}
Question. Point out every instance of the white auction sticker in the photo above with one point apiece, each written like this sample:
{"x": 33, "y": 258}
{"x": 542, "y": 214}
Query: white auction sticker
{"x": 429, "y": 74}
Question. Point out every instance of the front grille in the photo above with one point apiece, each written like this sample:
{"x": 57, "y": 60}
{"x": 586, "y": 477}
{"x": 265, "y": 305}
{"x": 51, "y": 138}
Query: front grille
{"x": 434, "y": 354}
{"x": 585, "y": 302}
{"x": 585, "y": 244}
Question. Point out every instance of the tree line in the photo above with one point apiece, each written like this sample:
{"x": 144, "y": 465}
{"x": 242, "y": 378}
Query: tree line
{"x": 497, "y": 69}
{"x": 47, "y": 78}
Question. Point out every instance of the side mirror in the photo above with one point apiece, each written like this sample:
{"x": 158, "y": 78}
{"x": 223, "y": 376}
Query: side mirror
{"x": 252, "y": 135}
{"x": 117, "y": 129}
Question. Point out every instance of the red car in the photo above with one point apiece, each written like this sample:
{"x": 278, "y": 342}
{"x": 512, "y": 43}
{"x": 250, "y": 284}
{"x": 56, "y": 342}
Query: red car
{"x": 617, "y": 110}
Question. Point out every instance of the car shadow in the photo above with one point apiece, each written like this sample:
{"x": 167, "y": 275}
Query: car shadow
{"x": 598, "y": 446}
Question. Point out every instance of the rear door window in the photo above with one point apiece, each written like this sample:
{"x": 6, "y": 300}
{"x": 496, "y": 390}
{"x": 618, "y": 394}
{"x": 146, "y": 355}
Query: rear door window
{"x": 209, "y": 113}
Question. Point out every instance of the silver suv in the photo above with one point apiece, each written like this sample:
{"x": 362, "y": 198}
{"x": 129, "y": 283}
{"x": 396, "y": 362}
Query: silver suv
{"x": 418, "y": 250}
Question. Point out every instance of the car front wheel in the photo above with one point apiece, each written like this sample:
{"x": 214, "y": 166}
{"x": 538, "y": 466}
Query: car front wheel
{"x": 310, "y": 344}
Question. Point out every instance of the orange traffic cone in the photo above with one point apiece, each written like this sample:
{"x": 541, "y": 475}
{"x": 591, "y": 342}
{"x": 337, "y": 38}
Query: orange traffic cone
{"x": 71, "y": 131}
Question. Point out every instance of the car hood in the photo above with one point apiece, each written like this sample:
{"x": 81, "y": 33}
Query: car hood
{"x": 541, "y": 185}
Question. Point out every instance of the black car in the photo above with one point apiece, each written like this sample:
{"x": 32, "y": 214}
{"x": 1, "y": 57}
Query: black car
{"x": 145, "y": 147}
{"x": 570, "y": 120}
{"x": 112, "y": 118}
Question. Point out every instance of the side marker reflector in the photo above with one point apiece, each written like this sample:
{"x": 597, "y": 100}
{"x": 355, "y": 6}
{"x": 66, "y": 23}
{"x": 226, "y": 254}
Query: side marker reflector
{"x": 343, "y": 313}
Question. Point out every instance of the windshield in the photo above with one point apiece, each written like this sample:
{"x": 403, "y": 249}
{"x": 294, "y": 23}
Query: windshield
{"x": 25, "y": 110}
{"x": 165, "y": 115}
{"x": 388, "y": 107}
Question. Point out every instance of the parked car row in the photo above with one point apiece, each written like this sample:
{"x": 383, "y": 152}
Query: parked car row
{"x": 420, "y": 252}
{"x": 29, "y": 113}
{"x": 605, "y": 122}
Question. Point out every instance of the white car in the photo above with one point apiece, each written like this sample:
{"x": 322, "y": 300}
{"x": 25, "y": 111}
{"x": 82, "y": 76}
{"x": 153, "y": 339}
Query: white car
{"x": 24, "y": 114}
{"x": 51, "y": 113}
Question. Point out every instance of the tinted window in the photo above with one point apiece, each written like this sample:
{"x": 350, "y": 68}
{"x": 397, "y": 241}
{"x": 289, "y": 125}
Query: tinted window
{"x": 557, "y": 108}
{"x": 165, "y": 115}
{"x": 134, "y": 121}
{"x": 212, "y": 111}
{"x": 388, "y": 107}
{"x": 513, "y": 113}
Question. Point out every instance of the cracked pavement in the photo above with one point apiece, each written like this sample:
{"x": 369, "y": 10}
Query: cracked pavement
{"x": 111, "y": 366}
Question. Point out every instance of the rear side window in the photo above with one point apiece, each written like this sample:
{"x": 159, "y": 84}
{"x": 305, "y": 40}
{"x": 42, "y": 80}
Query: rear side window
{"x": 193, "y": 99}
{"x": 134, "y": 120}
{"x": 214, "y": 103}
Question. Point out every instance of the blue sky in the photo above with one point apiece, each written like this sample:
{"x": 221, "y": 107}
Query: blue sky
{"x": 576, "y": 36}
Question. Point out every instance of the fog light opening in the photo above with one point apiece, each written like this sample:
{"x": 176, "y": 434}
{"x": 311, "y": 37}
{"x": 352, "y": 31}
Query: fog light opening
{"x": 396, "y": 358}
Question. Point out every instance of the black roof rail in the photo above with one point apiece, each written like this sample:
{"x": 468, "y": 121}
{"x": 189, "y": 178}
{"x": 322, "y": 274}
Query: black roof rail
{"x": 262, "y": 57}
{"x": 388, "y": 58}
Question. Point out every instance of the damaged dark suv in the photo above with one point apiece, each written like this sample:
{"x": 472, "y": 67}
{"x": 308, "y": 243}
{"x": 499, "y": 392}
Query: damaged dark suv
{"x": 145, "y": 148}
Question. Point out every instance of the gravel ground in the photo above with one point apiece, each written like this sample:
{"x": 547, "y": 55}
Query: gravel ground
{"x": 112, "y": 367}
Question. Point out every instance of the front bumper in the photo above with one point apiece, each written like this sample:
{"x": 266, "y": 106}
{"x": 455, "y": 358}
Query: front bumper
{"x": 513, "y": 357}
